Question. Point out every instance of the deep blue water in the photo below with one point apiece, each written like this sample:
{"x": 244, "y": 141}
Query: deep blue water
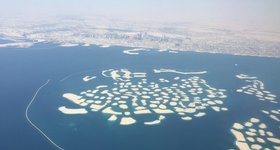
{"x": 23, "y": 71}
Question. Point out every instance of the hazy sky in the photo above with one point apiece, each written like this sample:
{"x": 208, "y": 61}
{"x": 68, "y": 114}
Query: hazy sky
{"x": 262, "y": 12}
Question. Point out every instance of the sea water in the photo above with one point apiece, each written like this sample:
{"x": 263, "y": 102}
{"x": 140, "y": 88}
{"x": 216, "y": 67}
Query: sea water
{"x": 25, "y": 70}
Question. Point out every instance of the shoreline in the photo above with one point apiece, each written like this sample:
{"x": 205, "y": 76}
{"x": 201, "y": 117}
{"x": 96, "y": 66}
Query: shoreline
{"x": 154, "y": 49}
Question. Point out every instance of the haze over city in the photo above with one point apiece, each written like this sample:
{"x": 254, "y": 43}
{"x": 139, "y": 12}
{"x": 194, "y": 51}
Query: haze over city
{"x": 264, "y": 14}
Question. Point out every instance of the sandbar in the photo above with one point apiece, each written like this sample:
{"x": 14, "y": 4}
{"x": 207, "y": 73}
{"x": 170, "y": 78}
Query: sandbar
{"x": 163, "y": 111}
{"x": 254, "y": 120}
{"x": 242, "y": 145}
{"x": 146, "y": 111}
{"x": 65, "y": 110}
{"x": 187, "y": 118}
{"x": 73, "y": 97}
{"x": 238, "y": 126}
{"x": 179, "y": 72}
{"x": 127, "y": 121}
{"x": 274, "y": 140}
{"x": 238, "y": 135}
{"x": 88, "y": 78}
{"x": 244, "y": 76}
{"x": 109, "y": 110}
{"x": 113, "y": 118}
{"x": 200, "y": 114}
{"x": 134, "y": 51}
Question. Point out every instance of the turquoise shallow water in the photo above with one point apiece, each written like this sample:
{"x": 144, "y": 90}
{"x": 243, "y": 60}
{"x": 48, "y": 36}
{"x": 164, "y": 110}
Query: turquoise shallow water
{"x": 93, "y": 131}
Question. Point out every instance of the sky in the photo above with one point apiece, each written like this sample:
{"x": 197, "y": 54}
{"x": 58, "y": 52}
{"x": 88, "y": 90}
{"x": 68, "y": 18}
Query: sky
{"x": 251, "y": 12}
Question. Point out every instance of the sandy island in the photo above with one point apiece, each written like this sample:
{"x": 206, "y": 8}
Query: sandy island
{"x": 65, "y": 110}
{"x": 179, "y": 72}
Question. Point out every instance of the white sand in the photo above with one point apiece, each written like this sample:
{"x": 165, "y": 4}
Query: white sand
{"x": 134, "y": 51}
{"x": 274, "y": 140}
{"x": 117, "y": 98}
{"x": 86, "y": 44}
{"x": 127, "y": 121}
{"x": 88, "y": 78}
{"x": 127, "y": 113}
{"x": 123, "y": 106}
{"x": 248, "y": 124}
{"x": 275, "y": 112}
{"x": 211, "y": 103}
{"x": 200, "y": 114}
{"x": 161, "y": 106}
{"x": 101, "y": 86}
{"x": 176, "y": 78}
{"x": 122, "y": 102}
{"x": 242, "y": 145}
{"x": 146, "y": 97}
{"x": 250, "y": 133}
{"x": 115, "y": 75}
{"x": 262, "y": 133}
{"x": 84, "y": 104}
{"x": 243, "y": 76}
{"x": 105, "y": 46}
{"x": 113, "y": 118}
{"x": 238, "y": 126}
{"x": 260, "y": 140}
{"x": 89, "y": 95}
{"x": 211, "y": 96}
{"x": 216, "y": 108}
{"x": 97, "y": 107}
{"x": 161, "y": 117}
{"x": 163, "y": 111}
{"x": 65, "y": 110}
{"x": 238, "y": 135}
{"x": 270, "y": 98}
{"x": 219, "y": 102}
{"x": 262, "y": 125}
{"x": 252, "y": 130}
{"x": 269, "y": 133}
{"x": 140, "y": 108}
{"x": 271, "y": 95}
{"x": 250, "y": 139}
{"x": 152, "y": 122}
{"x": 224, "y": 109}
{"x": 90, "y": 101}
{"x": 173, "y": 52}
{"x": 139, "y": 73}
{"x": 127, "y": 74}
{"x": 74, "y": 98}
{"x": 174, "y": 71}
{"x": 122, "y": 90}
{"x": 254, "y": 120}
{"x": 146, "y": 111}
{"x": 109, "y": 110}
{"x": 151, "y": 97}
{"x": 223, "y": 96}
{"x": 180, "y": 110}
{"x": 187, "y": 118}
{"x": 173, "y": 103}
{"x": 274, "y": 118}
{"x": 190, "y": 110}
{"x": 256, "y": 146}
{"x": 143, "y": 75}
{"x": 69, "y": 45}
